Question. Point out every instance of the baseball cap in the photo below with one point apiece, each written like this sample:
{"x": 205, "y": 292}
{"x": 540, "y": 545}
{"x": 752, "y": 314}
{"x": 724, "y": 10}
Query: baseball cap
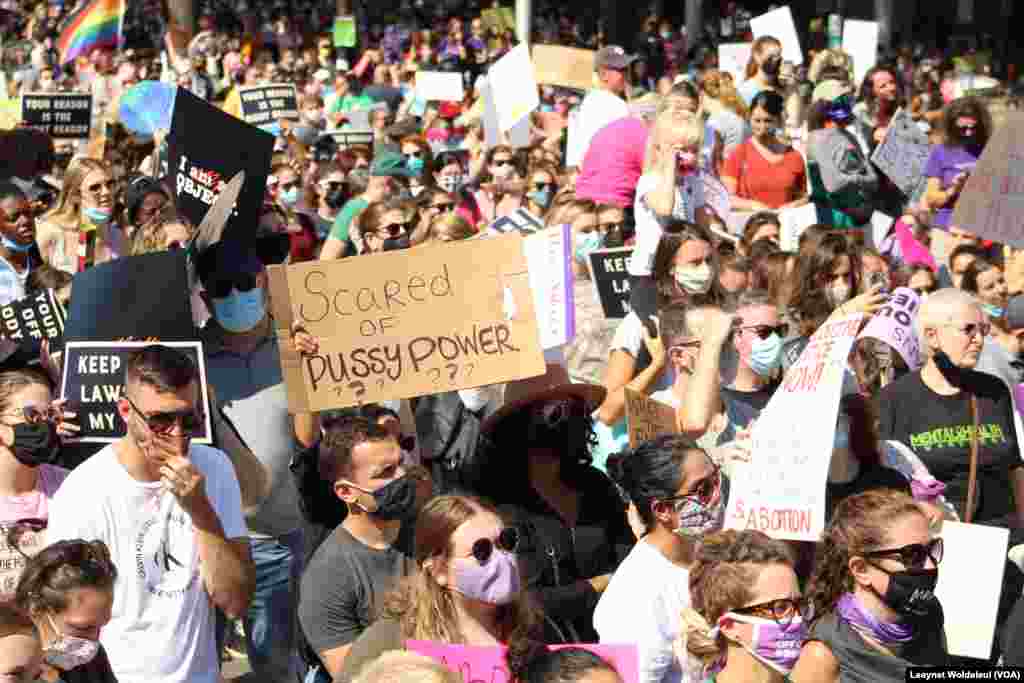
{"x": 612, "y": 57}
{"x": 389, "y": 164}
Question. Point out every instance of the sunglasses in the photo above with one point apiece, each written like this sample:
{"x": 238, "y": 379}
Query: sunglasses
{"x": 705, "y": 491}
{"x": 413, "y": 155}
{"x": 765, "y": 331}
{"x": 332, "y": 186}
{"x": 973, "y": 329}
{"x": 36, "y": 415}
{"x": 508, "y": 540}
{"x": 502, "y": 162}
{"x": 782, "y": 611}
{"x": 539, "y": 187}
{"x": 163, "y": 423}
{"x": 95, "y": 189}
{"x": 395, "y": 229}
{"x": 221, "y": 287}
{"x": 443, "y": 207}
{"x": 913, "y": 556}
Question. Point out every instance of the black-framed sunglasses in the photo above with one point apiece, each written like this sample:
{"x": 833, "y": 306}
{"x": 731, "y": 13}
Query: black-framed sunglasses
{"x": 972, "y": 329}
{"x": 109, "y": 185}
{"x": 508, "y": 540}
{"x": 914, "y": 555}
{"x": 705, "y": 491}
{"x": 782, "y": 611}
{"x": 221, "y": 287}
{"x": 163, "y": 423}
{"x": 540, "y": 187}
{"x": 765, "y": 331}
{"x": 413, "y": 155}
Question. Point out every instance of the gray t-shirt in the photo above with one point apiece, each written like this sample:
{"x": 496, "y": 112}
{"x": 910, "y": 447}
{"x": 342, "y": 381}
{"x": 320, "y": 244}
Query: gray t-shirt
{"x": 343, "y": 586}
{"x": 253, "y": 398}
{"x": 731, "y": 128}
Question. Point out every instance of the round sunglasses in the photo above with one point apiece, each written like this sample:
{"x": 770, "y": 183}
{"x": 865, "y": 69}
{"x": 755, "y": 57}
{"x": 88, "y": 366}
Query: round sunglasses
{"x": 508, "y": 540}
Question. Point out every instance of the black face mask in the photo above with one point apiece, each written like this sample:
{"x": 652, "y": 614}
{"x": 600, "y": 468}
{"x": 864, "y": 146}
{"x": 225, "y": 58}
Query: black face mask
{"x": 911, "y": 591}
{"x": 395, "y": 500}
{"x": 396, "y": 243}
{"x": 36, "y": 444}
{"x": 335, "y": 198}
{"x": 772, "y": 66}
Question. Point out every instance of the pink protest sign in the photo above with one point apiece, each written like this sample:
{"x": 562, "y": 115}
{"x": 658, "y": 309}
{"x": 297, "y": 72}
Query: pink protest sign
{"x": 894, "y": 325}
{"x": 479, "y": 664}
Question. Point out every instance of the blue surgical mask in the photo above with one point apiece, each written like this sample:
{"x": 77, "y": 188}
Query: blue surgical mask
{"x": 766, "y": 355}
{"x": 289, "y": 197}
{"x": 15, "y": 246}
{"x": 415, "y": 165}
{"x": 993, "y": 312}
{"x": 541, "y": 198}
{"x": 97, "y": 215}
{"x": 240, "y": 311}
{"x": 587, "y": 242}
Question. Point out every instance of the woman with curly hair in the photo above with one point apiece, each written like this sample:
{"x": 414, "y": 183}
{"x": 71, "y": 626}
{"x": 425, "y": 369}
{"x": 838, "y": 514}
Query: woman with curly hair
{"x": 747, "y": 621}
{"x": 872, "y": 592}
{"x": 467, "y": 589}
{"x": 968, "y": 126}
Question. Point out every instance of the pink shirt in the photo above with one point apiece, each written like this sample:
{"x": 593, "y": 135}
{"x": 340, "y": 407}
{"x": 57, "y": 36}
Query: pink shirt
{"x": 32, "y": 505}
{"x": 614, "y": 163}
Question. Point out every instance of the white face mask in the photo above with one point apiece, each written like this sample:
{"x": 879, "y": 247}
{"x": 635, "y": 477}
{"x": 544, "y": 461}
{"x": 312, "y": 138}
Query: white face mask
{"x": 695, "y": 279}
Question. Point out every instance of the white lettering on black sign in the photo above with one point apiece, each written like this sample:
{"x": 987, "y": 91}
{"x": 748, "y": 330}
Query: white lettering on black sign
{"x": 60, "y": 115}
{"x": 30, "y": 320}
{"x": 608, "y": 271}
{"x": 266, "y": 104}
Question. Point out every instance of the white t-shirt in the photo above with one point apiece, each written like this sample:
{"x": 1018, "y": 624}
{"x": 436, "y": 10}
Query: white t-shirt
{"x": 598, "y": 109}
{"x": 648, "y": 229}
{"x": 12, "y": 283}
{"x": 163, "y": 621}
{"x": 643, "y": 604}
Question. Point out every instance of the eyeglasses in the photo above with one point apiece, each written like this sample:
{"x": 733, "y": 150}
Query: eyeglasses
{"x": 502, "y": 162}
{"x": 783, "y": 611}
{"x": 35, "y": 414}
{"x": 108, "y": 185}
{"x": 413, "y": 155}
{"x": 221, "y": 287}
{"x": 443, "y": 207}
{"x": 705, "y": 491}
{"x": 972, "y": 329}
{"x": 163, "y": 423}
{"x": 540, "y": 187}
{"x": 922, "y": 290}
{"x": 394, "y": 230}
{"x": 508, "y": 540}
{"x": 332, "y": 185}
{"x": 914, "y": 555}
{"x": 765, "y": 331}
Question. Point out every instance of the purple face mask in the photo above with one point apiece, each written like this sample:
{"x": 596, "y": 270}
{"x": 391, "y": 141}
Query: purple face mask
{"x": 496, "y": 582}
{"x": 773, "y": 645}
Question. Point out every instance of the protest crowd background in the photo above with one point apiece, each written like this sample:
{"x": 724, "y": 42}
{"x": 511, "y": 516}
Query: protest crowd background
{"x": 433, "y": 342}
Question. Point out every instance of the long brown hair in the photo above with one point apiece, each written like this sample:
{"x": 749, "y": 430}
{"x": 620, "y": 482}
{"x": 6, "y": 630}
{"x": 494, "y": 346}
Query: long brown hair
{"x": 425, "y": 610}
{"x": 676, "y": 234}
{"x": 860, "y": 524}
{"x": 50, "y": 576}
{"x": 810, "y": 304}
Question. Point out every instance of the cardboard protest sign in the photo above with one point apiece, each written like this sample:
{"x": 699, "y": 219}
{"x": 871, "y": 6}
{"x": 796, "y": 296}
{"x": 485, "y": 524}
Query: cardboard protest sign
{"x": 782, "y": 490}
{"x": 779, "y": 24}
{"x": 647, "y": 418}
{"x": 975, "y": 556}
{"x": 478, "y": 663}
{"x": 206, "y": 147}
{"x": 440, "y": 86}
{"x": 345, "y": 31}
{"x": 993, "y": 199}
{"x": 518, "y": 94}
{"x": 568, "y": 67}
{"x": 793, "y": 222}
{"x": 264, "y": 105}
{"x": 519, "y": 221}
{"x": 549, "y": 260}
{"x": 93, "y": 381}
{"x": 403, "y": 324}
{"x": 59, "y": 115}
{"x": 894, "y": 325}
{"x": 31, "y": 319}
{"x": 733, "y": 59}
{"x": 903, "y": 153}
{"x": 133, "y": 296}
{"x": 611, "y": 279}
{"x": 860, "y": 41}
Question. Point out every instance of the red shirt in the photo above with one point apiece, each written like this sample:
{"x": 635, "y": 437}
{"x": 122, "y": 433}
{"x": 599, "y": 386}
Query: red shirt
{"x": 772, "y": 184}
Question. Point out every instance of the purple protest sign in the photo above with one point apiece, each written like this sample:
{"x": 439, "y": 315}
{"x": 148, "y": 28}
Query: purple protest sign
{"x": 894, "y": 325}
{"x": 483, "y": 664}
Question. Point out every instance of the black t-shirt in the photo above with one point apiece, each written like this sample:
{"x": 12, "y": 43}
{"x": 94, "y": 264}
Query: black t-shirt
{"x": 743, "y": 407}
{"x": 871, "y": 477}
{"x": 938, "y": 430}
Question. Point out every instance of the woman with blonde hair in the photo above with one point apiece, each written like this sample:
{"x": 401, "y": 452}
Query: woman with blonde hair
{"x": 78, "y": 232}
{"x": 832, "y": 58}
{"x": 166, "y": 231}
{"x": 467, "y": 589}
{"x": 727, "y": 113}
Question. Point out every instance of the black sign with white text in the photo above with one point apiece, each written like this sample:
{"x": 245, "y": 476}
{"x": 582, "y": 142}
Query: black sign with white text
{"x": 608, "y": 271}
{"x": 266, "y": 104}
{"x": 59, "y": 115}
{"x": 30, "y": 320}
{"x": 94, "y": 382}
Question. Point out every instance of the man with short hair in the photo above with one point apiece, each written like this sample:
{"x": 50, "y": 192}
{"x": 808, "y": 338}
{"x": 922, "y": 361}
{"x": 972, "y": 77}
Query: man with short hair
{"x": 607, "y": 102}
{"x": 361, "y": 560}
{"x": 171, "y": 514}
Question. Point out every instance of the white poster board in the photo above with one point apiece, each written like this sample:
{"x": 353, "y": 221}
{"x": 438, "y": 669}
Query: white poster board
{"x": 781, "y": 492}
{"x": 518, "y": 94}
{"x": 575, "y": 146}
{"x": 881, "y": 224}
{"x": 779, "y": 24}
{"x": 733, "y": 59}
{"x": 439, "y": 86}
{"x": 860, "y": 41}
{"x": 970, "y": 580}
{"x": 793, "y": 222}
{"x": 492, "y": 135}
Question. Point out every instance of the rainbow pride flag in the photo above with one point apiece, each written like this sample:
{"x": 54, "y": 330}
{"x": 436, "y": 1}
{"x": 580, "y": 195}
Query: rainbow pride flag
{"x": 96, "y": 24}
